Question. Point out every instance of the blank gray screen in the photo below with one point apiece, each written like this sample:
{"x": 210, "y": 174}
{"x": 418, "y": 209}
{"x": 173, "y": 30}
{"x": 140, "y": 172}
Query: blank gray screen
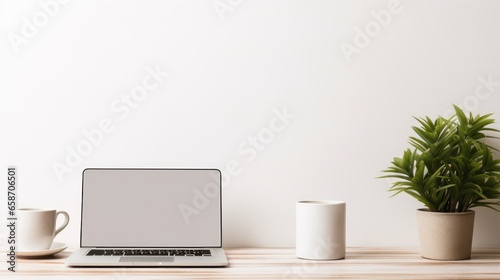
{"x": 151, "y": 208}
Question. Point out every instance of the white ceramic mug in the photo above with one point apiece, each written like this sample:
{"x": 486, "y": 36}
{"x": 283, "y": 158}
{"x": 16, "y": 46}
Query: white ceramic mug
{"x": 37, "y": 228}
{"x": 320, "y": 230}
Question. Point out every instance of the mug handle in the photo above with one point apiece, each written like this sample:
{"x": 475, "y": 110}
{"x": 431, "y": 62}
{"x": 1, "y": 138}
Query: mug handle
{"x": 66, "y": 221}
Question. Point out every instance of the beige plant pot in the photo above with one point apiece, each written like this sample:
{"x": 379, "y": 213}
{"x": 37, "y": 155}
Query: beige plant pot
{"x": 445, "y": 236}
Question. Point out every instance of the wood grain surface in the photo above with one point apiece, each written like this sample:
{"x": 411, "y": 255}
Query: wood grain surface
{"x": 281, "y": 263}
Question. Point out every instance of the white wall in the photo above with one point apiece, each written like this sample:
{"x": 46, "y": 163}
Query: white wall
{"x": 230, "y": 72}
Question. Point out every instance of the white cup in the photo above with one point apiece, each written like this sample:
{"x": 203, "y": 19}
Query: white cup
{"x": 37, "y": 228}
{"x": 320, "y": 230}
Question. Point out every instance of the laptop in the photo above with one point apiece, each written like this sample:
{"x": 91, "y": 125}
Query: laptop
{"x": 150, "y": 217}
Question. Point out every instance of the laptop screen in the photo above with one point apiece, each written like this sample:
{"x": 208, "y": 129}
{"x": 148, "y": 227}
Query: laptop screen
{"x": 151, "y": 208}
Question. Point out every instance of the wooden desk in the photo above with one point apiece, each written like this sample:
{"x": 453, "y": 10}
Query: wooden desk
{"x": 276, "y": 263}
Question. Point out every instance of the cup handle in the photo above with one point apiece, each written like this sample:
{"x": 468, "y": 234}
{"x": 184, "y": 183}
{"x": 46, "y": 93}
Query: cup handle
{"x": 66, "y": 221}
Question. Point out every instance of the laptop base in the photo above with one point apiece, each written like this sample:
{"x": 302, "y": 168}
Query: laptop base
{"x": 79, "y": 258}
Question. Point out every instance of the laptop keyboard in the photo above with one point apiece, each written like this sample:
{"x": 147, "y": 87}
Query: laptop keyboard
{"x": 143, "y": 252}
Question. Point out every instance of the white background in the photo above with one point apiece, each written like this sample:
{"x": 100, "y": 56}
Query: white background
{"x": 230, "y": 71}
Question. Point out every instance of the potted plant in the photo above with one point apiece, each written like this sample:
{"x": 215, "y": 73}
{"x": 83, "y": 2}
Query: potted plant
{"x": 450, "y": 170}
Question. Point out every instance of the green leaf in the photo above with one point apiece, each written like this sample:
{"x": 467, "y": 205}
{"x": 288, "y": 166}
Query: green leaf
{"x": 451, "y": 167}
